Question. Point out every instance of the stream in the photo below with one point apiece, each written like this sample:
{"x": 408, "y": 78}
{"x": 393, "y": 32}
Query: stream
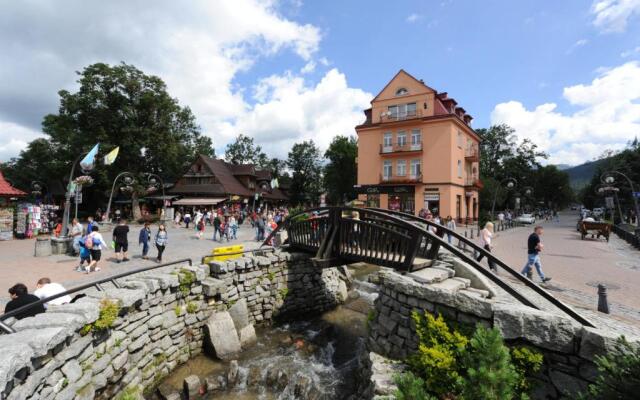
{"x": 310, "y": 359}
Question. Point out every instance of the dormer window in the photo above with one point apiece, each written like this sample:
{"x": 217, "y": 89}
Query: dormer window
{"x": 402, "y": 92}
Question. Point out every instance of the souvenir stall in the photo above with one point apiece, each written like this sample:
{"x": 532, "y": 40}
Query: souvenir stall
{"x": 8, "y": 196}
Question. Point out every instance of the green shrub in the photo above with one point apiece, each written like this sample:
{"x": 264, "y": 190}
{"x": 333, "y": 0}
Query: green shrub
{"x": 527, "y": 362}
{"x": 130, "y": 393}
{"x": 411, "y": 387}
{"x": 177, "y": 310}
{"x": 186, "y": 278}
{"x": 490, "y": 375}
{"x": 283, "y": 293}
{"x": 192, "y": 308}
{"x": 619, "y": 373}
{"x": 109, "y": 311}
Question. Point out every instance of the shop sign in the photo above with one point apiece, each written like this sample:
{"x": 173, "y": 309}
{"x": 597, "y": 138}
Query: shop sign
{"x": 399, "y": 189}
{"x": 469, "y": 194}
{"x": 432, "y": 196}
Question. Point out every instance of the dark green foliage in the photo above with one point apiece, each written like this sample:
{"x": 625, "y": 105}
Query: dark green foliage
{"x": 411, "y": 387}
{"x": 527, "y": 362}
{"x": 244, "y": 151}
{"x": 341, "y": 170}
{"x": 306, "y": 182}
{"x": 619, "y": 373}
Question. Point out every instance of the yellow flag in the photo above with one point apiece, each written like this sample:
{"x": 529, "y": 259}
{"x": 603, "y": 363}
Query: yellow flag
{"x": 111, "y": 157}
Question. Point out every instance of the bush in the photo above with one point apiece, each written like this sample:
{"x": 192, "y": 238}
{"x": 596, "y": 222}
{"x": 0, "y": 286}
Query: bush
{"x": 527, "y": 362}
{"x": 411, "y": 387}
{"x": 619, "y": 373}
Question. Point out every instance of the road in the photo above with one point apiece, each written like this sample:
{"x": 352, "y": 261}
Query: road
{"x": 19, "y": 264}
{"x": 578, "y": 266}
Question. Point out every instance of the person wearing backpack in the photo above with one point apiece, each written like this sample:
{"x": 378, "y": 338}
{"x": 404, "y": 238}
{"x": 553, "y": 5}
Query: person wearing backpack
{"x": 161, "y": 241}
{"x": 95, "y": 243}
{"x": 144, "y": 238}
{"x": 85, "y": 255}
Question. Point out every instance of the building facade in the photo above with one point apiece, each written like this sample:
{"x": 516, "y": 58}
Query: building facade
{"x": 417, "y": 150}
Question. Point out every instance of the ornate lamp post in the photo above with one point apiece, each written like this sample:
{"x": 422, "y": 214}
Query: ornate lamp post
{"x": 609, "y": 179}
{"x": 128, "y": 179}
{"x": 67, "y": 197}
{"x": 37, "y": 188}
{"x": 605, "y": 188}
{"x": 509, "y": 183}
{"x": 154, "y": 180}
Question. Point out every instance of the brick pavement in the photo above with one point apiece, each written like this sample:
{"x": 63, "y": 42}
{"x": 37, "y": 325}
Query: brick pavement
{"x": 19, "y": 265}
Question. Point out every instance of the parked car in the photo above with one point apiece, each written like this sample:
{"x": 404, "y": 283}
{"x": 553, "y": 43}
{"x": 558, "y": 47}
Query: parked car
{"x": 526, "y": 219}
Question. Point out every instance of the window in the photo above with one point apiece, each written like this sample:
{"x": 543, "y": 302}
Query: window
{"x": 387, "y": 142}
{"x": 401, "y": 92}
{"x": 459, "y": 169}
{"x": 415, "y": 168}
{"x": 416, "y": 139}
{"x": 402, "y": 138}
{"x": 401, "y": 167}
{"x": 459, "y": 139}
{"x": 402, "y": 111}
{"x": 411, "y": 109}
{"x": 386, "y": 169}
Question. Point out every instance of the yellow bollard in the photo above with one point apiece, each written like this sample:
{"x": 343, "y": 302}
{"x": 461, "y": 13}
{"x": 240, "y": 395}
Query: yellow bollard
{"x": 225, "y": 253}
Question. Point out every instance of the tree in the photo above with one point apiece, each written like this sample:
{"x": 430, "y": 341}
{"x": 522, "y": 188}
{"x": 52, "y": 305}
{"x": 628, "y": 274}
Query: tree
{"x": 340, "y": 173}
{"x": 497, "y": 144}
{"x": 306, "y": 182}
{"x": 552, "y": 187}
{"x": 244, "y": 151}
{"x": 118, "y": 106}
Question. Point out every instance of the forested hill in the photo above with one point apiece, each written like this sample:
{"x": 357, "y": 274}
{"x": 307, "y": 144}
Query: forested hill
{"x": 581, "y": 175}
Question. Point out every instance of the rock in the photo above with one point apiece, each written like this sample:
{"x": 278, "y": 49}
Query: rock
{"x": 191, "y": 386}
{"x": 255, "y": 377}
{"x": 247, "y": 337}
{"x": 240, "y": 314}
{"x": 221, "y": 336}
{"x": 302, "y": 386}
{"x": 212, "y": 384}
{"x": 72, "y": 371}
{"x": 232, "y": 375}
{"x": 40, "y": 340}
{"x": 343, "y": 293}
{"x": 72, "y": 322}
{"x": 89, "y": 310}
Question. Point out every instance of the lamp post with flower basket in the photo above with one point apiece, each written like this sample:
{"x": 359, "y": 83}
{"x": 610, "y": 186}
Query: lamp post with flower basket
{"x": 154, "y": 181}
{"x": 128, "y": 180}
{"x": 71, "y": 187}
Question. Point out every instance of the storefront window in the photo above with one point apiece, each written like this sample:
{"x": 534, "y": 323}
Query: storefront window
{"x": 402, "y": 202}
{"x": 432, "y": 203}
{"x": 373, "y": 200}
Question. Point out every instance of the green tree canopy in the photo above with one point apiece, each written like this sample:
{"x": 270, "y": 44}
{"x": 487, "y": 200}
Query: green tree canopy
{"x": 306, "y": 180}
{"x": 341, "y": 170}
{"x": 244, "y": 151}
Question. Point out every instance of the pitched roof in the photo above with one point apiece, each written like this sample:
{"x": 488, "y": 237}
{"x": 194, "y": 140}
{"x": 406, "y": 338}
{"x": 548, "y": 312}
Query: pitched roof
{"x": 402, "y": 71}
{"x": 225, "y": 176}
{"x": 7, "y": 190}
{"x": 242, "y": 169}
{"x": 263, "y": 174}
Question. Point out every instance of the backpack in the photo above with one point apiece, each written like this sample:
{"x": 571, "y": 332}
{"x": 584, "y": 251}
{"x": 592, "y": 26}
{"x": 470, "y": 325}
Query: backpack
{"x": 88, "y": 242}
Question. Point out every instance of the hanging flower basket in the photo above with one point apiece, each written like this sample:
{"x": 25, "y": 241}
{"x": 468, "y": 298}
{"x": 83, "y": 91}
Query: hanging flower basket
{"x": 152, "y": 189}
{"x": 126, "y": 189}
{"x": 83, "y": 180}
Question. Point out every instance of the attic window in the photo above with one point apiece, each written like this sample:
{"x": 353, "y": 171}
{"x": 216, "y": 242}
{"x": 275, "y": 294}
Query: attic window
{"x": 402, "y": 92}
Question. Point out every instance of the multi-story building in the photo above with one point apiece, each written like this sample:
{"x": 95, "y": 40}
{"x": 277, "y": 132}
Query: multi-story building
{"x": 416, "y": 149}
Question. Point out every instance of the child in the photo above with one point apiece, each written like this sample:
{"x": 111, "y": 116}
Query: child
{"x": 85, "y": 255}
{"x": 201, "y": 226}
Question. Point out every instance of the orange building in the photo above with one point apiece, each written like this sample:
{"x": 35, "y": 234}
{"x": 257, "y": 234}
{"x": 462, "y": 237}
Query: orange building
{"x": 417, "y": 150}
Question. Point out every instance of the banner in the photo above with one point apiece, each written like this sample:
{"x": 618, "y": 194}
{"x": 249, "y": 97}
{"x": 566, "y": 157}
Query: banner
{"x": 89, "y": 160}
{"x": 111, "y": 157}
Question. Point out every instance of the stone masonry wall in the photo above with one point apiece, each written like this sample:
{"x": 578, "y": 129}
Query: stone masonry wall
{"x": 569, "y": 349}
{"x": 159, "y": 326}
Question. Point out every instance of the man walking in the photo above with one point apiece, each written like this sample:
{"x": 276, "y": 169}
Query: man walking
{"x": 121, "y": 241}
{"x": 534, "y": 247}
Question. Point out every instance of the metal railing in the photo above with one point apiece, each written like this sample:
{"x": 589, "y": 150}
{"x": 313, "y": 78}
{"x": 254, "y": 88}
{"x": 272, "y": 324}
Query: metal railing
{"x": 95, "y": 284}
{"x": 400, "y": 147}
{"x": 631, "y": 237}
{"x": 387, "y": 116}
{"x": 400, "y": 178}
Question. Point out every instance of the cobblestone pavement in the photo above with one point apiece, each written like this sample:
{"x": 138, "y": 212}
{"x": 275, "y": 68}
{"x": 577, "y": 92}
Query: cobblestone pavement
{"x": 578, "y": 266}
{"x": 19, "y": 265}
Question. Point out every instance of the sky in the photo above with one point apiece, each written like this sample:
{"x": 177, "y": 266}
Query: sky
{"x": 565, "y": 74}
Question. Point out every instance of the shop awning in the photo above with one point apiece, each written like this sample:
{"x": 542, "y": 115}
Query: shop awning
{"x": 199, "y": 201}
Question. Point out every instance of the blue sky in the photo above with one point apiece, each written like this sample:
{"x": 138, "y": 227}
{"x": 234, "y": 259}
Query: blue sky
{"x": 565, "y": 74}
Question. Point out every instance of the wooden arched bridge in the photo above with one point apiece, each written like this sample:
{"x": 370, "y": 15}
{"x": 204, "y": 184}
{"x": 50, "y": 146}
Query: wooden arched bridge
{"x": 404, "y": 242}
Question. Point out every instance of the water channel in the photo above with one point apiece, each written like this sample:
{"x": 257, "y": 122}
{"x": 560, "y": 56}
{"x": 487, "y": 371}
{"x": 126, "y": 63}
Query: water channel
{"x": 310, "y": 359}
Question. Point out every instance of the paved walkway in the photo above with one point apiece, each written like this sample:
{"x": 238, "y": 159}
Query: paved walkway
{"x": 19, "y": 265}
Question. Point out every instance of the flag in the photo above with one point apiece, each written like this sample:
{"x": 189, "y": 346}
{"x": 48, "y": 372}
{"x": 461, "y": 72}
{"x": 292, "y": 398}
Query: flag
{"x": 111, "y": 157}
{"x": 89, "y": 160}
{"x": 274, "y": 183}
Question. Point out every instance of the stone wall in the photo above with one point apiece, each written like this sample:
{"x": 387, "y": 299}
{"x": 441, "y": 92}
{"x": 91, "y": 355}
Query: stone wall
{"x": 58, "y": 355}
{"x": 569, "y": 349}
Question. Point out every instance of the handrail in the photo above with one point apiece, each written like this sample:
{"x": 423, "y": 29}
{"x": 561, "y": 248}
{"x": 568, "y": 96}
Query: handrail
{"x": 269, "y": 249}
{"x": 526, "y": 281}
{"x": 76, "y": 289}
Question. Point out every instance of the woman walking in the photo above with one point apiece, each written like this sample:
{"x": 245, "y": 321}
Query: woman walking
{"x": 161, "y": 241}
{"x": 451, "y": 225}
{"x": 144, "y": 238}
{"x": 201, "y": 227}
{"x": 486, "y": 235}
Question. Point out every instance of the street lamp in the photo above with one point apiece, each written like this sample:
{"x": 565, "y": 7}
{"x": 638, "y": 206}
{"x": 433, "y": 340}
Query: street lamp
{"x": 67, "y": 197}
{"x": 128, "y": 179}
{"x": 37, "y": 188}
{"x": 509, "y": 183}
{"x": 609, "y": 178}
{"x": 605, "y": 188}
{"x": 155, "y": 180}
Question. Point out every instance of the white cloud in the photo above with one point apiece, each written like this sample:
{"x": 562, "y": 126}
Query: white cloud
{"x": 614, "y": 15}
{"x": 607, "y": 117}
{"x": 198, "y": 48}
{"x": 631, "y": 52}
{"x": 414, "y": 17}
{"x": 577, "y": 44}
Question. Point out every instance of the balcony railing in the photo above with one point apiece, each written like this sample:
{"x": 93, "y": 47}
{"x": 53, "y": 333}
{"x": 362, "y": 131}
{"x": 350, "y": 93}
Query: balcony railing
{"x": 387, "y": 116}
{"x": 472, "y": 153}
{"x": 408, "y": 178}
{"x": 400, "y": 147}
{"x": 473, "y": 182}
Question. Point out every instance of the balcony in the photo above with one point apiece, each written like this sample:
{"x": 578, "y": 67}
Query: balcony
{"x": 400, "y": 148}
{"x": 408, "y": 178}
{"x": 472, "y": 154}
{"x": 387, "y": 116}
{"x": 473, "y": 182}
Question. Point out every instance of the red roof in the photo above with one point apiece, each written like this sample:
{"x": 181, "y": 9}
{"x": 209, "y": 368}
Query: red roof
{"x": 7, "y": 190}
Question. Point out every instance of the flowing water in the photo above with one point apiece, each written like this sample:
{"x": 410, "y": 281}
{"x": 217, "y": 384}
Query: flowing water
{"x": 311, "y": 359}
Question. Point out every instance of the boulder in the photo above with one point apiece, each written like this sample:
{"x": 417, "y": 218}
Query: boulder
{"x": 221, "y": 336}
{"x": 239, "y": 313}
{"x": 232, "y": 376}
{"x": 191, "y": 386}
{"x": 247, "y": 337}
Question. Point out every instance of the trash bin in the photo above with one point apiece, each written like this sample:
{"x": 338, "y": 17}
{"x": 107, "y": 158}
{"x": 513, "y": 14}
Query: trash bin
{"x": 43, "y": 247}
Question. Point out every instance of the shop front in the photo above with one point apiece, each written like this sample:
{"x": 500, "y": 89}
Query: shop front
{"x": 392, "y": 197}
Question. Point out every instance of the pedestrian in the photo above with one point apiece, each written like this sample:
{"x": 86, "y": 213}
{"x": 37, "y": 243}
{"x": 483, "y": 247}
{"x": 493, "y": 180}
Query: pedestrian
{"x": 20, "y": 297}
{"x": 57, "y": 231}
{"x": 45, "y": 289}
{"x": 260, "y": 224}
{"x": 196, "y": 219}
{"x": 233, "y": 225}
{"x": 161, "y": 241}
{"x": 187, "y": 219}
{"x": 90, "y": 224}
{"x": 176, "y": 221}
{"x": 121, "y": 240}
{"x": 534, "y": 247}
{"x": 85, "y": 255}
{"x": 76, "y": 235}
{"x": 143, "y": 239}
{"x": 201, "y": 227}
{"x": 486, "y": 235}
{"x": 216, "y": 227}
{"x": 556, "y": 216}
{"x": 500, "y": 220}
{"x": 95, "y": 243}
{"x": 451, "y": 225}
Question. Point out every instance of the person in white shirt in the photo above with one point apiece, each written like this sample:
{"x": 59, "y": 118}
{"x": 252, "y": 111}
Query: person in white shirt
{"x": 451, "y": 225}
{"x": 76, "y": 234}
{"x": 45, "y": 288}
{"x": 97, "y": 244}
{"x": 486, "y": 235}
